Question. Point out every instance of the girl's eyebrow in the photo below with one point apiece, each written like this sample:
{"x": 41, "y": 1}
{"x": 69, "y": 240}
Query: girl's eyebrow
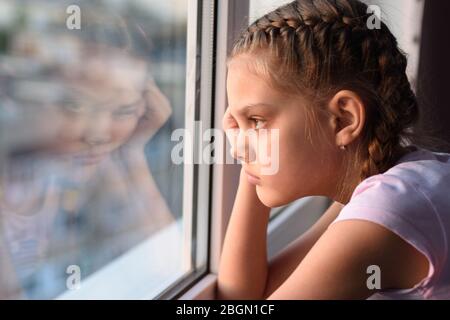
{"x": 247, "y": 107}
{"x": 129, "y": 105}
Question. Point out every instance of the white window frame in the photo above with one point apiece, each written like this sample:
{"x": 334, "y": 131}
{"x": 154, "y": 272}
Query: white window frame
{"x": 201, "y": 28}
{"x": 197, "y": 186}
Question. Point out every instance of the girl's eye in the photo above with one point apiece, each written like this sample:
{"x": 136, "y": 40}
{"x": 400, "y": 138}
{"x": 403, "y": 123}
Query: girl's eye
{"x": 72, "y": 106}
{"x": 125, "y": 111}
{"x": 258, "y": 123}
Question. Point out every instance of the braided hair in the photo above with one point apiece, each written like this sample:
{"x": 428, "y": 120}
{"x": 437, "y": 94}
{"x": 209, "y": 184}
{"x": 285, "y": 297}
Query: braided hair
{"x": 318, "y": 47}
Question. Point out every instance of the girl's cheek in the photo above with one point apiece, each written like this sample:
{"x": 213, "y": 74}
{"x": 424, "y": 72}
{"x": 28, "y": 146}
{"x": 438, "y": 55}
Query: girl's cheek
{"x": 141, "y": 110}
{"x": 122, "y": 130}
{"x": 260, "y": 147}
{"x": 71, "y": 130}
{"x": 248, "y": 144}
{"x": 269, "y": 151}
{"x": 243, "y": 144}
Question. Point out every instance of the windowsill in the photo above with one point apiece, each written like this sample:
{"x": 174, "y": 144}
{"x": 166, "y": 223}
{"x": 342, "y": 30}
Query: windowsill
{"x": 205, "y": 289}
{"x": 141, "y": 273}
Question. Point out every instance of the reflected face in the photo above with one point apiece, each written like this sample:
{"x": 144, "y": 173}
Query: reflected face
{"x": 101, "y": 120}
{"x": 82, "y": 108}
{"x": 100, "y": 104}
{"x": 305, "y": 163}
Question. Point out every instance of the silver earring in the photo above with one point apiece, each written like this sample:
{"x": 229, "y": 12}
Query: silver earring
{"x": 343, "y": 147}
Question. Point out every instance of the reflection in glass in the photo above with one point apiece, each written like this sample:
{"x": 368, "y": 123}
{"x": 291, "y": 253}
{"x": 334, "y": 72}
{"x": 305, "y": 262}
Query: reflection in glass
{"x": 85, "y": 148}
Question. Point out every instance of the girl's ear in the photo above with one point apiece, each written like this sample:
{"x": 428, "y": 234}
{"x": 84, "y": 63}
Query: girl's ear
{"x": 348, "y": 116}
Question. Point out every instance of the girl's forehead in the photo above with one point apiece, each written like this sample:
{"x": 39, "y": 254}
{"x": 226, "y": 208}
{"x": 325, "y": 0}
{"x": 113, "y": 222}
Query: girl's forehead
{"x": 241, "y": 76}
{"x": 108, "y": 73}
{"x": 104, "y": 93}
{"x": 244, "y": 87}
{"x": 31, "y": 94}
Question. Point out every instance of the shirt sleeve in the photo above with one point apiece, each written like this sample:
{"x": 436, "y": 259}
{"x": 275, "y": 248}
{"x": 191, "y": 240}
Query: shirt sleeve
{"x": 397, "y": 205}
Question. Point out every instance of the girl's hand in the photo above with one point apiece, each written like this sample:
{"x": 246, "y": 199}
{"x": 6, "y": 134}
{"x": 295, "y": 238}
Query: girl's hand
{"x": 231, "y": 128}
{"x": 156, "y": 112}
{"x": 228, "y": 121}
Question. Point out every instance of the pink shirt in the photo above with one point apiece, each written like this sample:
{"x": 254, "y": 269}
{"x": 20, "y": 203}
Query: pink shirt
{"x": 412, "y": 199}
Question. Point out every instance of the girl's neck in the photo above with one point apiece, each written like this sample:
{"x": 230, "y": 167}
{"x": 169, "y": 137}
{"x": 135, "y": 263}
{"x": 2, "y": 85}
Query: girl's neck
{"x": 347, "y": 187}
{"x": 353, "y": 179}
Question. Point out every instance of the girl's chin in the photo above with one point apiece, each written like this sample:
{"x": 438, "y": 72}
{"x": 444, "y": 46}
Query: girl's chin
{"x": 270, "y": 199}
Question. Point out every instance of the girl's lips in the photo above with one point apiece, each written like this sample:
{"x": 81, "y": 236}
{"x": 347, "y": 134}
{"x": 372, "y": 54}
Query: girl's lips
{"x": 252, "y": 179}
{"x": 90, "y": 158}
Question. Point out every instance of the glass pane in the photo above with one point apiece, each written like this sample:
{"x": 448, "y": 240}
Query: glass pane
{"x": 90, "y": 201}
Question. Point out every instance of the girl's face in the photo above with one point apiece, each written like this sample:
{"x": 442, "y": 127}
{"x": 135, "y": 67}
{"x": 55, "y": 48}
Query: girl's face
{"x": 98, "y": 124}
{"x": 306, "y": 165}
{"x": 102, "y": 107}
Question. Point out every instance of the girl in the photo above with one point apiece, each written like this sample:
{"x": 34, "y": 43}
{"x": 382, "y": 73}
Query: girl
{"x": 338, "y": 94}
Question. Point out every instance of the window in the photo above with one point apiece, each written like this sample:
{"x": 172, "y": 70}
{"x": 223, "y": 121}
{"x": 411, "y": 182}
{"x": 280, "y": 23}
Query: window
{"x": 92, "y": 204}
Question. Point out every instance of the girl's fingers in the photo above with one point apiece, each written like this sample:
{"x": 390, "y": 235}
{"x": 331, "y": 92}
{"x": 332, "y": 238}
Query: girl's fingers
{"x": 232, "y": 135}
{"x": 231, "y": 131}
{"x": 156, "y": 112}
{"x": 228, "y": 121}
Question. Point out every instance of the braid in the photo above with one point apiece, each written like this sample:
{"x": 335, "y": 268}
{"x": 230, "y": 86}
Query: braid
{"x": 398, "y": 109}
{"x": 318, "y": 47}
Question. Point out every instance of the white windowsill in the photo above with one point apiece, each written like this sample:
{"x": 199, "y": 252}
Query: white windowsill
{"x": 141, "y": 273}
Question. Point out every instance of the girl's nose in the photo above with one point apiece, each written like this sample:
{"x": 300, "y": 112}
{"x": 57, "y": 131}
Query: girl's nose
{"x": 245, "y": 147}
{"x": 98, "y": 129}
